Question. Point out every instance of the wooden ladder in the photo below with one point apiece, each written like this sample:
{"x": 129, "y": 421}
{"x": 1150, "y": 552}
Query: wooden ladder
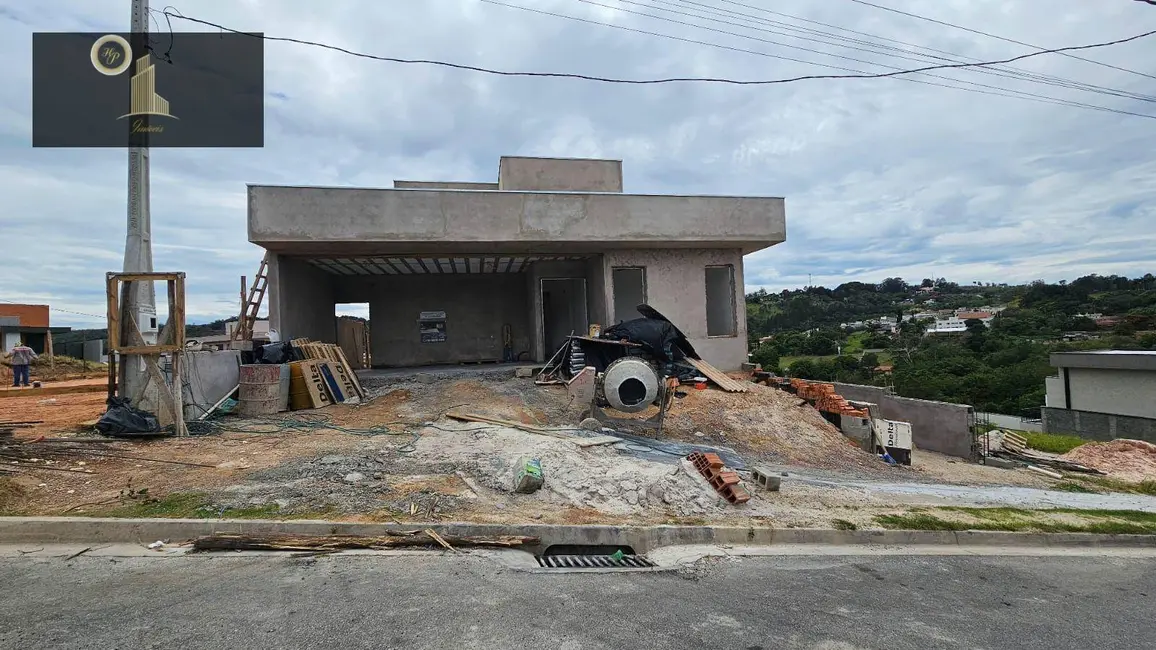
{"x": 252, "y": 304}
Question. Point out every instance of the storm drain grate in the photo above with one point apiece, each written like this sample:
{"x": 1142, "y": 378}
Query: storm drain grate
{"x": 594, "y": 562}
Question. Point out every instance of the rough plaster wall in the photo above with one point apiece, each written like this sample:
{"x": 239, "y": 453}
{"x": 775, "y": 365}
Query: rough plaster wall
{"x": 435, "y": 219}
{"x": 596, "y": 305}
{"x": 935, "y": 426}
{"x": 301, "y": 300}
{"x": 676, "y": 286}
{"x": 476, "y": 306}
{"x": 559, "y": 175}
{"x": 1121, "y": 392}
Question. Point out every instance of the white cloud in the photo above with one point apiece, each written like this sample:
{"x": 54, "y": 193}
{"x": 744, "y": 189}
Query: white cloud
{"x": 882, "y": 177}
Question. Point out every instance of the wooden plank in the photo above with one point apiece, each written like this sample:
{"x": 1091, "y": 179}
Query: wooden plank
{"x": 595, "y": 441}
{"x": 718, "y": 377}
{"x": 146, "y": 350}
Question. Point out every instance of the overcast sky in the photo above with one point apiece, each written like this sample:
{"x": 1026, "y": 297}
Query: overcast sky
{"x": 882, "y": 177}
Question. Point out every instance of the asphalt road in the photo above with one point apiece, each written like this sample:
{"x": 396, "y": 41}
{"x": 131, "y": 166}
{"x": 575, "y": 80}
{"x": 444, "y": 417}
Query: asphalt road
{"x": 347, "y": 602}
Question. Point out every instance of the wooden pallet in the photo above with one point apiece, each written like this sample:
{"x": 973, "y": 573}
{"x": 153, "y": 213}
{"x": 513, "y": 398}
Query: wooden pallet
{"x": 719, "y": 377}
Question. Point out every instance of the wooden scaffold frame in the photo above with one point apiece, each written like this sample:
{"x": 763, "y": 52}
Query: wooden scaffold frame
{"x": 171, "y": 340}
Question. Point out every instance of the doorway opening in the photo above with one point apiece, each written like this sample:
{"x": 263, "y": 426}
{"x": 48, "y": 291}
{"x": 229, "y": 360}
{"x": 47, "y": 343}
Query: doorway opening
{"x": 629, "y": 287}
{"x": 353, "y": 333}
{"x": 563, "y": 310}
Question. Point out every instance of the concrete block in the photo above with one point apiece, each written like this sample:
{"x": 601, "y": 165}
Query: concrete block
{"x": 524, "y": 372}
{"x": 748, "y": 367}
{"x": 1001, "y": 463}
{"x": 766, "y": 479}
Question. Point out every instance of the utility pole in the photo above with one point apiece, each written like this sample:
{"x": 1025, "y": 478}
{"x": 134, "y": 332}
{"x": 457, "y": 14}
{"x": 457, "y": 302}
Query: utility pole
{"x": 139, "y": 300}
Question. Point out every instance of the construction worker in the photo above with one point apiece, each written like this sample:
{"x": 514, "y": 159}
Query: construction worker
{"x": 21, "y": 357}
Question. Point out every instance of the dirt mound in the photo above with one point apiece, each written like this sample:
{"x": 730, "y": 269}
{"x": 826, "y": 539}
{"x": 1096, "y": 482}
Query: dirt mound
{"x": 1130, "y": 460}
{"x": 766, "y": 422}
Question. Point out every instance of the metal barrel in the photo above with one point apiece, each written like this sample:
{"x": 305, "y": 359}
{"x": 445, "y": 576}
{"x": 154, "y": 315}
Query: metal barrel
{"x": 260, "y": 392}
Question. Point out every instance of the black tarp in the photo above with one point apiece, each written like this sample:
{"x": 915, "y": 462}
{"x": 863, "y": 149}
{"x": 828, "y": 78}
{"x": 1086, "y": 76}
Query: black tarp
{"x": 121, "y": 420}
{"x": 657, "y": 337}
{"x": 680, "y": 339}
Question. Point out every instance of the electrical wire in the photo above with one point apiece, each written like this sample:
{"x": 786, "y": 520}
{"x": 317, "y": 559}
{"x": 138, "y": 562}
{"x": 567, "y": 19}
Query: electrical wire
{"x": 840, "y": 56}
{"x": 860, "y": 74}
{"x": 924, "y": 51}
{"x": 1001, "y": 38}
{"x": 723, "y": 80}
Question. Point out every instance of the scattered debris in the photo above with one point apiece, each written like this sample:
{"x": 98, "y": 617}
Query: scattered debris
{"x": 395, "y": 539}
{"x": 724, "y": 481}
{"x": 1012, "y": 446}
{"x": 156, "y": 545}
{"x": 529, "y": 478}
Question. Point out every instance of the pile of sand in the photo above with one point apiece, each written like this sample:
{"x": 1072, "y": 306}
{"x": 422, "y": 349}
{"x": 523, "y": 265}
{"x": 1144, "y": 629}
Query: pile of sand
{"x": 767, "y": 420}
{"x": 1129, "y": 460}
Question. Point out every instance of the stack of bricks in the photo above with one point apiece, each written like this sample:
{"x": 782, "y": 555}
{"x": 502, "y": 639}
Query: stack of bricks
{"x": 724, "y": 481}
{"x": 824, "y": 397}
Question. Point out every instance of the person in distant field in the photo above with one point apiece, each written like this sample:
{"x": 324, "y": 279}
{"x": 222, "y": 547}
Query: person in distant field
{"x": 21, "y": 357}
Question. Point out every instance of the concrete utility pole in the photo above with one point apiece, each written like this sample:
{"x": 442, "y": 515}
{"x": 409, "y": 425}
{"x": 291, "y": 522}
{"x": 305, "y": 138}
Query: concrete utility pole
{"x": 139, "y": 301}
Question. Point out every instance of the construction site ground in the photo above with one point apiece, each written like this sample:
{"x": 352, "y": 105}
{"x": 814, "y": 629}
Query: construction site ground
{"x": 397, "y": 457}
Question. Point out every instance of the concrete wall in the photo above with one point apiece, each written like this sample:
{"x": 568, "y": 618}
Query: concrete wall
{"x": 350, "y": 222}
{"x": 676, "y": 286}
{"x": 476, "y": 307}
{"x": 451, "y": 185}
{"x": 208, "y": 376}
{"x": 935, "y": 426}
{"x": 559, "y": 174}
{"x": 596, "y": 301}
{"x": 1098, "y": 426}
{"x": 301, "y": 298}
{"x": 1120, "y": 392}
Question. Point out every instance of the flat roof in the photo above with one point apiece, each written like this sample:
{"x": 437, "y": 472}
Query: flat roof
{"x": 483, "y": 191}
{"x": 1106, "y": 359}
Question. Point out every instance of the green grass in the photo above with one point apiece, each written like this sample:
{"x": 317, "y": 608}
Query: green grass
{"x": 1106, "y": 484}
{"x": 843, "y": 524}
{"x": 1117, "y": 522}
{"x": 185, "y": 505}
{"x": 1053, "y": 443}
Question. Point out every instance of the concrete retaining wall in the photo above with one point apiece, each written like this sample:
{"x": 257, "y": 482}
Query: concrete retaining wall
{"x": 1098, "y": 426}
{"x": 935, "y": 426}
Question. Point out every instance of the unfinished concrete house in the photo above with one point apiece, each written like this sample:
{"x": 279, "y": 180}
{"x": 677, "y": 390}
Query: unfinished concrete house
{"x": 457, "y": 272}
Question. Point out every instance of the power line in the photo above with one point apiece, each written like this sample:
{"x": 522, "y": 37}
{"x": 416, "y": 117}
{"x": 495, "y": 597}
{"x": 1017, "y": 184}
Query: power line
{"x": 860, "y": 74}
{"x": 722, "y": 80}
{"x": 1001, "y": 38}
{"x": 1009, "y": 72}
{"x": 814, "y": 51}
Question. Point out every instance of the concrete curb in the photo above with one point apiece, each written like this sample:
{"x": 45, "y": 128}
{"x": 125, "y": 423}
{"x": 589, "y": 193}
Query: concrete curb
{"x": 643, "y": 539}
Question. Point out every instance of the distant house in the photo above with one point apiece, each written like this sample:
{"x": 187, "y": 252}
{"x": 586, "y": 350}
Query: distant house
{"x": 1102, "y": 395}
{"x": 984, "y": 316}
{"x": 1108, "y": 321}
{"x": 29, "y": 323}
{"x": 926, "y": 289}
{"x": 221, "y": 341}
